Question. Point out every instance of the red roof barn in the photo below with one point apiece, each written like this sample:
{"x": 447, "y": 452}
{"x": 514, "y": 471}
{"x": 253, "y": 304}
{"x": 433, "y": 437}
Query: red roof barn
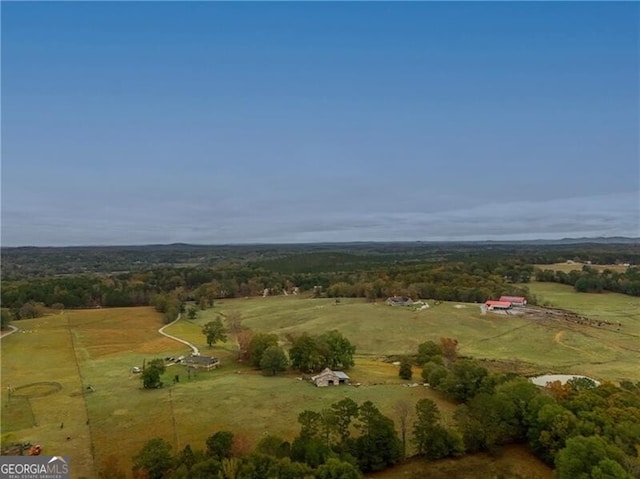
{"x": 514, "y": 300}
{"x": 491, "y": 305}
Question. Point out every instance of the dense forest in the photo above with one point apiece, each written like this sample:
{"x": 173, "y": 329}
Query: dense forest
{"x": 167, "y": 276}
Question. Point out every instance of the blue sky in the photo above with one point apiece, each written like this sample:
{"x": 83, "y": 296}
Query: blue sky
{"x": 160, "y": 122}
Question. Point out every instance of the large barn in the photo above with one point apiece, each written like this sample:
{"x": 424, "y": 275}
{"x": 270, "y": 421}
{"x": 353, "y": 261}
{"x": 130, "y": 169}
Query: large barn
{"x": 330, "y": 378}
{"x": 497, "y": 305}
{"x": 514, "y": 300}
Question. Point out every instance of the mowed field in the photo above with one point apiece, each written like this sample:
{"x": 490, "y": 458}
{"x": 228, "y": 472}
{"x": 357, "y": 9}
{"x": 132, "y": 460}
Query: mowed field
{"x": 530, "y": 343}
{"x": 97, "y": 348}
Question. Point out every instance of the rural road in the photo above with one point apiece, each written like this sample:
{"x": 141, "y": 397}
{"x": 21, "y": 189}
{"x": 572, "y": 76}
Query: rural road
{"x": 7, "y": 333}
{"x": 195, "y": 351}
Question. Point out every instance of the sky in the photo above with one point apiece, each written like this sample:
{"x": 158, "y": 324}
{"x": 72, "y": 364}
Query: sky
{"x": 267, "y": 122}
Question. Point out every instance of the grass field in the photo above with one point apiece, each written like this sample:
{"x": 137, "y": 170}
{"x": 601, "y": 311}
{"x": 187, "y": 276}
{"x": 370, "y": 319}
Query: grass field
{"x": 533, "y": 344}
{"x": 614, "y": 351}
{"x": 97, "y": 348}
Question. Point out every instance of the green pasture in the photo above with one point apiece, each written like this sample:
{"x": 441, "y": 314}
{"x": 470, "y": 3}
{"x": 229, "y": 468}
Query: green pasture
{"x": 122, "y": 416}
{"x": 613, "y": 307}
{"x": 98, "y": 348}
{"x": 43, "y": 352}
{"x": 537, "y": 344}
{"x": 610, "y": 351}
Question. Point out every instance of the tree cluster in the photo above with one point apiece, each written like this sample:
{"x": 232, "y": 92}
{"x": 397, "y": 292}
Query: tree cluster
{"x": 591, "y": 280}
{"x": 586, "y": 431}
{"x": 221, "y": 460}
{"x": 314, "y": 353}
{"x": 151, "y": 373}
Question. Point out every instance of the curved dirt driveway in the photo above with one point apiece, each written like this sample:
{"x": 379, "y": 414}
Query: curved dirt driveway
{"x": 7, "y": 333}
{"x": 195, "y": 351}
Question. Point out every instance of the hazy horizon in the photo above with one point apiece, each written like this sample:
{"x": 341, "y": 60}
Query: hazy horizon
{"x": 256, "y": 123}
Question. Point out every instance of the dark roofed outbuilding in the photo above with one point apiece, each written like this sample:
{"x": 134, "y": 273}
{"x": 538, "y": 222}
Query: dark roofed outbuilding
{"x": 201, "y": 362}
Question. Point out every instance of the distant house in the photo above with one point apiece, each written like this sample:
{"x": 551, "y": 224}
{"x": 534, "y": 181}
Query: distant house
{"x": 330, "y": 378}
{"x": 497, "y": 305}
{"x": 399, "y": 301}
{"x": 514, "y": 300}
{"x": 201, "y": 362}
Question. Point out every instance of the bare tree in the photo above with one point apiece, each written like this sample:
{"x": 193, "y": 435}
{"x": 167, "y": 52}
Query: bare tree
{"x": 244, "y": 340}
{"x": 402, "y": 409}
{"x": 234, "y": 322}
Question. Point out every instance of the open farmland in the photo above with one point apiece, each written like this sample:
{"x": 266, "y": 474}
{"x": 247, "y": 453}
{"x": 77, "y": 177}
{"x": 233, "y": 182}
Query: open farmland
{"x": 116, "y": 417}
{"x": 97, "y": 348}
{"x": 531, "y": 343}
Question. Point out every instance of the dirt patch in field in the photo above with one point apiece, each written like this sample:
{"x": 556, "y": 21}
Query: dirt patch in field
{"x": 546, "y": 315}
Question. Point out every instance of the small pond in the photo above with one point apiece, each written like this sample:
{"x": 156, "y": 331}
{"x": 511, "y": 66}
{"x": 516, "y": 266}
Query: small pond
{"x": 563, "y": 378}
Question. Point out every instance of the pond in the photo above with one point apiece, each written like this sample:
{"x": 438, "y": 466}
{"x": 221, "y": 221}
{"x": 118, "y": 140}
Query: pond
{"x": 563, "y": 378}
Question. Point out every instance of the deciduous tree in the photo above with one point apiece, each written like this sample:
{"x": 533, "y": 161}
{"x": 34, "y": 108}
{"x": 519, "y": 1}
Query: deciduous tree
{"x": 583, "y": 455}
{"x": 219, "y": 445}
{"x": 427, "y": 351}
{"x": 244, "y": 340}
{"x": 402, "y": 410}
{"x": 304, "y": 353}
{"x": 346, "y": 411}
{"x": 153, "y": 460}
{"x": 449, "y": 347}
{"x": 274, "y": 360}
{"x": 234, "y": 321}
{"x": 405, "y": 371}
{"x": 152, "y": 372}
{"x": 214, "y": 332}
{"x": 339, "y": 350}
{"x": 464, "y": 380}
{"x": 378, "y": 446}
{"x": 258, "y": 345}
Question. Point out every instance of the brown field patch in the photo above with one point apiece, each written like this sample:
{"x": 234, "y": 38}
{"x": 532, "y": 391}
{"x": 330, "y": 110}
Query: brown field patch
{"x": 103, "y": 332}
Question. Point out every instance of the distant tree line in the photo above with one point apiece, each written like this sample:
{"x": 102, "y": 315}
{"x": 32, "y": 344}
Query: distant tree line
{"x": 168, "y": 288}
{"x": 591, "y": 280}
{"x": 30, "y": 263}
{"x": 465, "y": 274}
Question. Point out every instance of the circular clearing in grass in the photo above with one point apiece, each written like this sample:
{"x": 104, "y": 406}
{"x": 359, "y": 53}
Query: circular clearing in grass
{"x": 36, "y": 390}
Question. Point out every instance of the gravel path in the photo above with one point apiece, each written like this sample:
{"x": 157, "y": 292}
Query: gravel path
{"x": 195, "y": 351}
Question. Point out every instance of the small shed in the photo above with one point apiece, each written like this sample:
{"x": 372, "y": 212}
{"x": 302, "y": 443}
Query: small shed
{"x": 201, "y": 362}
{"x": 330, "y": 378}
{"x": 514, "y": 300}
